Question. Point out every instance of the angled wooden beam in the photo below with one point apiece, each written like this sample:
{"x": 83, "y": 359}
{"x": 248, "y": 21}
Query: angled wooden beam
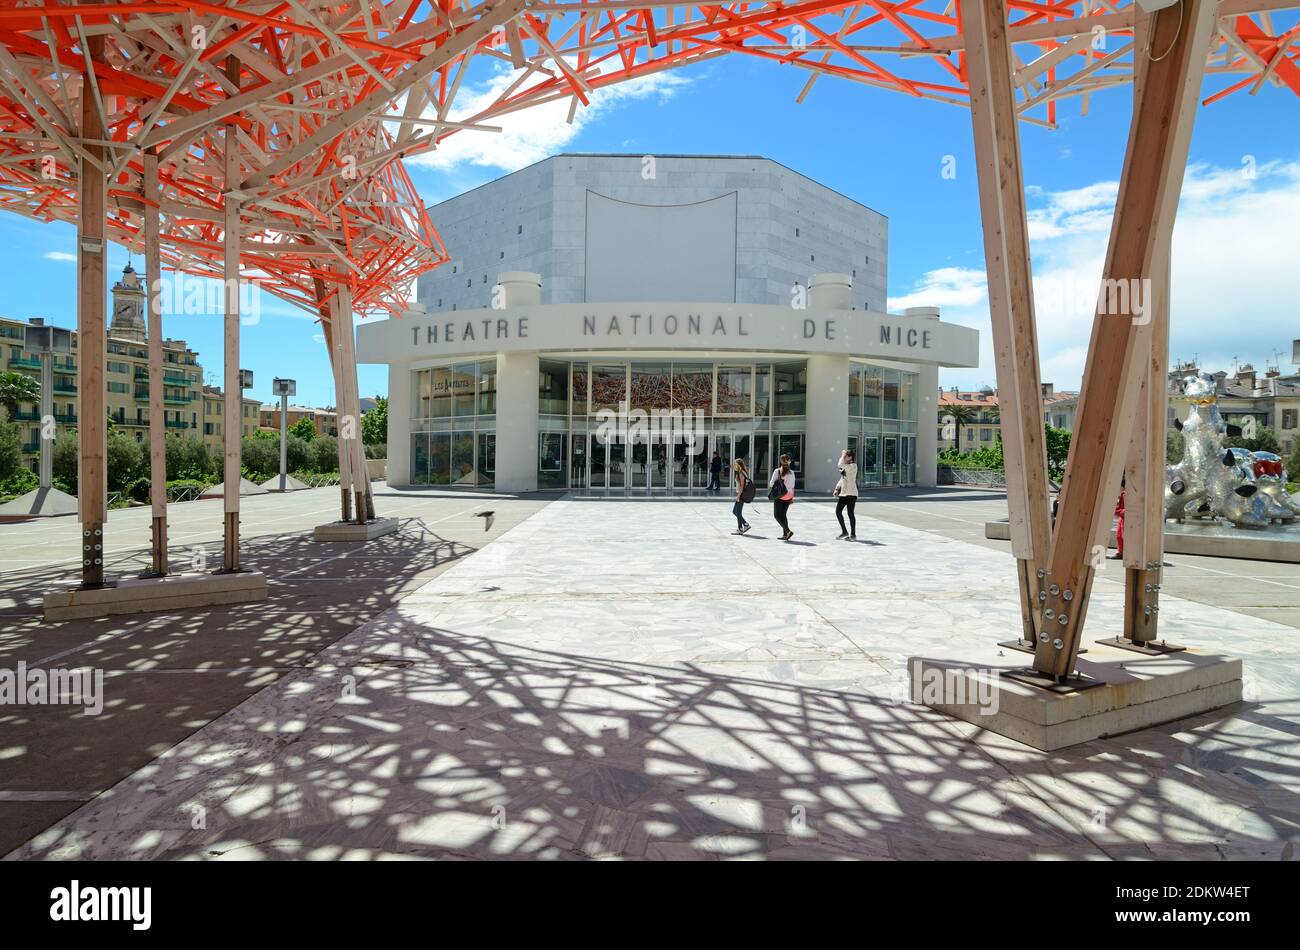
{"x": 348, "y": 404}
{"x": 152, "y": 196}
{"x": 1144, "y": 466}
{"x": 92, "y": 340}
{"x": 1011, "y": 296}
{"x": 233, "y": 416}
{"x": 1154, "y": 163}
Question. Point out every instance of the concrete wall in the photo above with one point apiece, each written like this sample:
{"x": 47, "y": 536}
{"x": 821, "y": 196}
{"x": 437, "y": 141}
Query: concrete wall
{"x": 827, "y": 427}
{"x": 400, "y": 411}
{"x": 517, "y": 429}
{"x": 786, "y": 227}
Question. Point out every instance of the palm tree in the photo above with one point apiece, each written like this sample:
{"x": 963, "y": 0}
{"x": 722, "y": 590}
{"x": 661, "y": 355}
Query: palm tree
{"x": 16, "y": 388}
{"x": 960, "y": 416}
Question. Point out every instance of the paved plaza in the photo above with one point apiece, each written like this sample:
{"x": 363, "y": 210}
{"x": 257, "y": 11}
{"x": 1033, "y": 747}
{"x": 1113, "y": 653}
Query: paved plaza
{"x": 627, "y": 679}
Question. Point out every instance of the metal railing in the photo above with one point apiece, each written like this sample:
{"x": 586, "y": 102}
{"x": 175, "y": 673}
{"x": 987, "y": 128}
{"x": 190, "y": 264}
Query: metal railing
{"x": 982, "y": 477}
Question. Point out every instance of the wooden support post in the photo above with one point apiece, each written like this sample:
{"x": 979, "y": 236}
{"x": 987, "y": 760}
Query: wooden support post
{"x": 234, "y": 399}
{"x": 1011, "y": 298}
{"x": 348, "y": 404}
{"x": 326, "y": 307}
{"x": 92, "y": 338}
{"x": 1154, "y": 163}
{"x": 152, "y": 196}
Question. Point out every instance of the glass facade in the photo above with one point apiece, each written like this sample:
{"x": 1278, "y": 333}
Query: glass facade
{"x": 609, "y": 424}
{"x": 882, "y": 424}
{"x": 453, "y": 439}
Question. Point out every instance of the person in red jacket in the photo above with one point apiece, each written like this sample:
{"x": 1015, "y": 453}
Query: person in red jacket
{"x": 1119, "y": 525}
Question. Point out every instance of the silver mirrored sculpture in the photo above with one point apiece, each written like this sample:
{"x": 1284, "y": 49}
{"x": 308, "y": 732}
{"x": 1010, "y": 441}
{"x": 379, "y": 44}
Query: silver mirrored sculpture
{"x": 1245, "y": 488}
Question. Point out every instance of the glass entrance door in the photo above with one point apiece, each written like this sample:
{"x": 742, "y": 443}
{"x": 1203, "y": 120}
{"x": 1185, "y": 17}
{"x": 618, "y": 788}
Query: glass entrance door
{"x": 742, "y": 447}
{"x": 791, "y": 444}
{"x": 722, "y": 444}
{"x": 891, "y": 460}
{"x": 657, "y": 471}
{"x": 598, "y": 463}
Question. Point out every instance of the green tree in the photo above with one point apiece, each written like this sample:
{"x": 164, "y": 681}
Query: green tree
{"x": 327, "y": 453}
{"x": 11, "y": 452}
{"x": 300, "y": 455}
{"x": 16, "y": 388}
{"x": 1264, "y": 440}
{"x": 304, "y": 429}
{"x": 260, "y": 457}
{"x": 1293, "y": 466}
{"x": 65, "y": 459}
{"x": 957, "y": 416}
{"x": 1058, "y": 448}
{"x": 188, "y": 457}
{"x": 125, "y": 460}
{"x": 374, "y": 424}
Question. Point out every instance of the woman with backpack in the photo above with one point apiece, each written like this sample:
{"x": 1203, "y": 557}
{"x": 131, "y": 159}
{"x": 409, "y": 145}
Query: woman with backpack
{"x": 781, "y": 491}
{"x": 744, "y": 494}
{"x": 846, "y": 495}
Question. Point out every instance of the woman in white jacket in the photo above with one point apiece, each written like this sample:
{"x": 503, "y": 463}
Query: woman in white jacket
{"x": 846, "y": 491}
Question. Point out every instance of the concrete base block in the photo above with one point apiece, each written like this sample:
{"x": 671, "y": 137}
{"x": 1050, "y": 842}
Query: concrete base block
{"x": 272, "y": 484}
{"x": 349, "y": 531}
{"x": 1277, "y": 542}
{"x": 245, "y": 488}
{"x": 1134, "y": 692}
{"x": 144, "y": 594}
{"x": 39, "y": 503}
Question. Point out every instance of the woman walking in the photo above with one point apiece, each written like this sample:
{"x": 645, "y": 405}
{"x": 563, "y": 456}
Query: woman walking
{"x": 781, "y": 491}
{"x": 744, "y": 493}
{"x": 846, "y": 494}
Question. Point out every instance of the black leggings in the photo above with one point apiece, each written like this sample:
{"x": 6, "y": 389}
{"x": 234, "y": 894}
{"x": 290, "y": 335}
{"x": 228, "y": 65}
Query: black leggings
{"x": 779, "y": 511}
{"x": 849, "y": 502}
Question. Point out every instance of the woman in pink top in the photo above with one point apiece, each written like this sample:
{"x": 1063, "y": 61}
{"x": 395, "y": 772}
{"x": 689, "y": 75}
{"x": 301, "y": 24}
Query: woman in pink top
{"x": 782, "y": 495}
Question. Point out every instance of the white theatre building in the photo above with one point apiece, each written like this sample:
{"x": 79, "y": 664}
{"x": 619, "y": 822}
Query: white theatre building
{"x": 607, "y": 322}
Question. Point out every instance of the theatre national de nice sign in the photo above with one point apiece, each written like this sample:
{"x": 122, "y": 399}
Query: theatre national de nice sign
{"x": 915, "y": 337}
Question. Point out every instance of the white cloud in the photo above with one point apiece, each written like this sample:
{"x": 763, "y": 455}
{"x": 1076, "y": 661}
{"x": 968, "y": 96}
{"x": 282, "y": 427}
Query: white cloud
{"x": 532, "y": 134}
{"x": 1235, "y": 277}
{"x": 60, "y": 256}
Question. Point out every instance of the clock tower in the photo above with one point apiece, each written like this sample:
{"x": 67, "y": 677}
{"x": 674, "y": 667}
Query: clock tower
{"x": 127, "y": 322}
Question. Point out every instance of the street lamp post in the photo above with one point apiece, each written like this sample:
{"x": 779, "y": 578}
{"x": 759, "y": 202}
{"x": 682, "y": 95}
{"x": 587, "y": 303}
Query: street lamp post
{"x": 284, "y": 388}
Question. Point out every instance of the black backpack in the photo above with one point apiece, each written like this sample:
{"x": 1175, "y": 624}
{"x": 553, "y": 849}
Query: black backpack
{"x": 747, "y": 493}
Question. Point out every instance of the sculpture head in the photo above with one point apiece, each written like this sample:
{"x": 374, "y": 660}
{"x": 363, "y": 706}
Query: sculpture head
{"x": 1268, "y": 465}
{"x": 1270, "y": 476}
{"x": 1200, "y": 389}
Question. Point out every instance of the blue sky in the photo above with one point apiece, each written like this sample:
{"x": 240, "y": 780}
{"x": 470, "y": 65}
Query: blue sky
{"x": 1237, "y": 258}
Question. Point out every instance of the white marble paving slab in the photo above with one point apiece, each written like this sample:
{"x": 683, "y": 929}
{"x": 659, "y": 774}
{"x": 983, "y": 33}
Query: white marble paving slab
{"x": 616, "y": 679}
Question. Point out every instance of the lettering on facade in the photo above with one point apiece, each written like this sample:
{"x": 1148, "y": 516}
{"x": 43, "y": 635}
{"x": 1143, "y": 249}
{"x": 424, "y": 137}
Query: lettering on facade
{"x": 472, "y": 330}
{"x": 647, "y": 324}
{"x": 810, "y": 329}
{"x": 910, "y": 337}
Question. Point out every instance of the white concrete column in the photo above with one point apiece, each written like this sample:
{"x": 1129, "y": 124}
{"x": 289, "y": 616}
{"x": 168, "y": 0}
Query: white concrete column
{"x": 828, "y": 421}
{"x": 520, "y": 288}
{"x": 927, "y": 405}
{"x": 399, "y": 425}
{"x": 517, "y": 403}
{"x": 927, "y": 429}
{"x": 830, "y": 291}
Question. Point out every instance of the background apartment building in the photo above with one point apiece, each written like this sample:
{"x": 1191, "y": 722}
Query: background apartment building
{"x": 127, "y": 377}
{"x": 325, "y": 420}
{"x": 979, "y": 426}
